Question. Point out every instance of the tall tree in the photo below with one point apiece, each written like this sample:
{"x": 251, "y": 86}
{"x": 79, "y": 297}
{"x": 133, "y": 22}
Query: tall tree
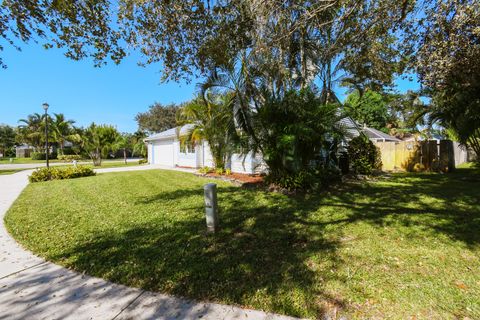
{"x": 448, "y": 66}
{"x": 369, "y": 108}
{"x": 31, "y": 131}
{"x": 158, "y": 118}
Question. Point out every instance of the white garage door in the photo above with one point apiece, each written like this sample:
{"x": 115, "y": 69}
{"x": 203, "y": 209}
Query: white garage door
{"x": 163, "y": 152}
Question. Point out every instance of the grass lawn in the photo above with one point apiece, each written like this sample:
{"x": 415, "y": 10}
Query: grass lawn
{"x": 405, "y": 246}
{"x": 105, "y": 164}
{"x": 10, "y": 171}
{"x": 24, "y": 161}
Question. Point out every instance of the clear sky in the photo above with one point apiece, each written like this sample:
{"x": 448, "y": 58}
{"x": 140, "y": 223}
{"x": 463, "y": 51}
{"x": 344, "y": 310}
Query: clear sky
{"x": 113, "y": 94}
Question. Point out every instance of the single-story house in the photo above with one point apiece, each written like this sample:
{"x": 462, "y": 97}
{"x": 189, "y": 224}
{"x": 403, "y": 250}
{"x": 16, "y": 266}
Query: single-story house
{"x": 165, "y": 149}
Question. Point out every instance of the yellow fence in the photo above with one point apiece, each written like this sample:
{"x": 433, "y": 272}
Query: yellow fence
{"x": 417, "y": 155}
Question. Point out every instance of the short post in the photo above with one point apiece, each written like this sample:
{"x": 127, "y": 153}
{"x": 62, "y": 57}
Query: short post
{"x": 211, "y": 208}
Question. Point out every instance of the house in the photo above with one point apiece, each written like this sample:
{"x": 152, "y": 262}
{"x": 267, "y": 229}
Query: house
{"x": 378, "y": 136}
{"x": 165, "y": 149}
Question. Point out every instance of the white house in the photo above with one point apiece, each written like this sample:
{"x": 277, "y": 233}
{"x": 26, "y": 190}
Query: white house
{"x": 164, "y": 148}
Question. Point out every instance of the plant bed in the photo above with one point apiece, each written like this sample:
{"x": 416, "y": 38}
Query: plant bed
{"x": 244, "y": 180}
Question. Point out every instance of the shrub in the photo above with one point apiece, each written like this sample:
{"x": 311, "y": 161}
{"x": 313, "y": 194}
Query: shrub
{"x": 69, "y": 157}
{"x": 42, "y": 156}
{"x": 364, "y": 156}
{"x": 219, "y": 171}
{"x": 309, "y": 179}
{"x": 142, "y": 161}
{"x": 228, "y": 172}
{"x": 204, "y": 170}
{"x": 44, "y": 174}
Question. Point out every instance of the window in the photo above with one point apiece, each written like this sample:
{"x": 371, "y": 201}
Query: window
{"x": 187, "y": 147}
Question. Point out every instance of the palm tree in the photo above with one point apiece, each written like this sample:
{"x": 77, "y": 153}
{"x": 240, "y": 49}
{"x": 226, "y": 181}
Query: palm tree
{"x": 211, "y": 118}
{"x": 98, "y": 140}
{"x": 31, "y": 130}
{"x": 61, "y": 130}
{"x": 138, "y": 143}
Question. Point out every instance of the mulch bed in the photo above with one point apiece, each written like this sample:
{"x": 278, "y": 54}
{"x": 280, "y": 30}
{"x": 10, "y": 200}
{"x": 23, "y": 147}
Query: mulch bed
{"x": 244, "y": 180}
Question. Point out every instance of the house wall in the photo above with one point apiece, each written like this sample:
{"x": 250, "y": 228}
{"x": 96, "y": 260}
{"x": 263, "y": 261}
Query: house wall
{"x": 202, "y": 157}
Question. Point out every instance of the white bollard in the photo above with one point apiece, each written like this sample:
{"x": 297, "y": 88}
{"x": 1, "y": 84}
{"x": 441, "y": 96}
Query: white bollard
{"x": 211, "y": 207}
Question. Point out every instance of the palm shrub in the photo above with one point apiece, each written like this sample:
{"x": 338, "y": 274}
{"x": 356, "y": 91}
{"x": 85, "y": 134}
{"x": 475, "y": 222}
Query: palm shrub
{"x": 211, "y": 119}
{"x": 364, "y": 156}
{"x": 297, "y": 135}
{"x": 98, "y": 140}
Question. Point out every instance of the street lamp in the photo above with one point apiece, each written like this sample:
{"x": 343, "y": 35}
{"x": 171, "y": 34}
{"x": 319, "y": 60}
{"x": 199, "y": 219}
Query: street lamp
{"x": 45, "y": 107}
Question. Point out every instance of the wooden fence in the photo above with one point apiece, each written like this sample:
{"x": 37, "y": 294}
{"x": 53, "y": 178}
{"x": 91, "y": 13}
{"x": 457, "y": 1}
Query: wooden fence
{"x": 418, "y": 155}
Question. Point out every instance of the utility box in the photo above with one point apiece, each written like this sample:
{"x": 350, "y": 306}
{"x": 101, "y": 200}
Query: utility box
{"x": 211, "y": 207}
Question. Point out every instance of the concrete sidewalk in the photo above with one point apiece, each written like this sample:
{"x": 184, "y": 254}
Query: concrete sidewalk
{"x": 31, "y": 288}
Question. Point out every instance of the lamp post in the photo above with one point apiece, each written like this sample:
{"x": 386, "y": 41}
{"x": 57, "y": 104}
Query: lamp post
{"x": 45, "y": 107}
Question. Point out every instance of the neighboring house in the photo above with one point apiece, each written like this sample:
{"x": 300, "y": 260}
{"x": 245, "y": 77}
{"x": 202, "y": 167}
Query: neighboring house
{"x": 23, "y": 151}
{"x": 165, "y": 149}
{"x": 378, "y": 136}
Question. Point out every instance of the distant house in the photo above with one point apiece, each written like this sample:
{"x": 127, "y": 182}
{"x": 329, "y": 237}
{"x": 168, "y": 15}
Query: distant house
{"x": 378, "y": 136}
{"x": 23, "y": 151}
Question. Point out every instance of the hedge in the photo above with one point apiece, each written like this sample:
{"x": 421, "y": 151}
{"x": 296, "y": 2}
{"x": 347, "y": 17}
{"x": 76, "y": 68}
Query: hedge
{"x": 44, "y": 174}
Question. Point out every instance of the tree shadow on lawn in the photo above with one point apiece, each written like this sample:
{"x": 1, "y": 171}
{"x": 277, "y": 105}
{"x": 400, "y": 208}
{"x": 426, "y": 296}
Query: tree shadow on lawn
{"x": 272, "y": 251}
{"x": 437, "y": 203}
{"x": 258, "y": 259}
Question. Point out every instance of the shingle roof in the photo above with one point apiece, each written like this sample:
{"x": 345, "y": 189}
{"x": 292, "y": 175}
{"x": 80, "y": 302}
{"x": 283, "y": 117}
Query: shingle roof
{"x": 377, "y": 134}
{"x": 170, "y": 133}
{"x": 350, "y": 126}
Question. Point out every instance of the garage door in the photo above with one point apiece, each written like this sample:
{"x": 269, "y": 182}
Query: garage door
{"x": 163, "y": 152}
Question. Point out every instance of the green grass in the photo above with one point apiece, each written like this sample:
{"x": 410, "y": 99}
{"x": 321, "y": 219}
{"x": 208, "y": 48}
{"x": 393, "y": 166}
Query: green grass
{"x": 23, "y": 161}
{"x": 10, "y": 171}
{"x": 401, "y": 247}
{"x": 105, "y": 164}
{"x": 30, "y": 161}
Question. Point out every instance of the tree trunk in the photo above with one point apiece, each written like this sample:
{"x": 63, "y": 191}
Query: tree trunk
{"x": 125, "y": 155}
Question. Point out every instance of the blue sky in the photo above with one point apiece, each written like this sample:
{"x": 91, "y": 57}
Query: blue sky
{"x": 110, "y": 95}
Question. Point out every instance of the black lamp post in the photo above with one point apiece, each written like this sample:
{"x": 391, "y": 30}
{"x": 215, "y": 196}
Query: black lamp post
{"x": 45, "y": 107}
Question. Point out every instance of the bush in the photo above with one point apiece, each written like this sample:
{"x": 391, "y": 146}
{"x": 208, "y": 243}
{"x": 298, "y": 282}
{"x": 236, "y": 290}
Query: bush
{"x": 44, "y": 174}
{"x": 142, "y": 161}
{"x": 219, "y": 171}
{"x": 228, "y": 172}
{"x": 204, "y": 170}
{"x": 309, "y": 179}
{"x": 364, "y": 156}
{"x": 42, "y": 156}
{"x": 69, "y": 157}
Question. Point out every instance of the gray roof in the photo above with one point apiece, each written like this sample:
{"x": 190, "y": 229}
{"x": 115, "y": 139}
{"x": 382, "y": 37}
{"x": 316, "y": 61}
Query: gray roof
{"x": 372, "y": 133}
{"x": 350, "y": 126}
{"x": 170, "y": 133}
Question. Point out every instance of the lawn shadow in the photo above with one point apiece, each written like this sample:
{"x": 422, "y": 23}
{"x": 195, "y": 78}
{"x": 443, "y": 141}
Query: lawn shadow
{"x": 271, "y": 251}
{"x": 260, "y": 256}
